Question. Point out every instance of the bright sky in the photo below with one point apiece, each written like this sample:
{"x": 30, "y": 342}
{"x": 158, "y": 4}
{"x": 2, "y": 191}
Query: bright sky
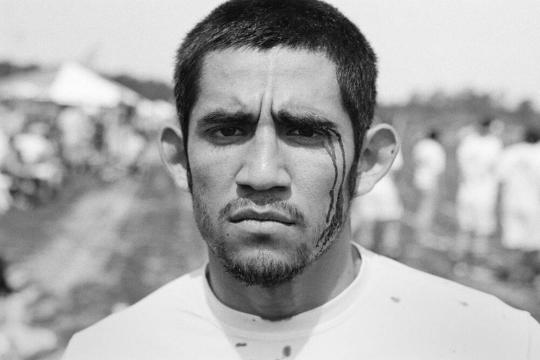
{"x": 423, "y": 45}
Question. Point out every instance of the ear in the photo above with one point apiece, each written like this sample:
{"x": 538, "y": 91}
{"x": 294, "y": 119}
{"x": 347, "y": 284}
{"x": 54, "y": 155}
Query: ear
{"x": 173, "y": 156}
{"x": 379, "y": 149}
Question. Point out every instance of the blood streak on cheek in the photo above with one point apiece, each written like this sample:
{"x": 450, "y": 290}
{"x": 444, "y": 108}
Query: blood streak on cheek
{"x": 330, "y": 149}
{"x": 339, "y": 203}
{"x": 334, "y": 223}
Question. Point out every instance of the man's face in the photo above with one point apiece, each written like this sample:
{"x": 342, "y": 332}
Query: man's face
{"x": 270, "y": 147}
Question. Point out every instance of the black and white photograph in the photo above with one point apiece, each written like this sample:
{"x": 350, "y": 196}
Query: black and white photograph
{"x": 269, "y": 180}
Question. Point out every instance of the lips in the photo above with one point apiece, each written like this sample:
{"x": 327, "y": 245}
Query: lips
{"x": 262, "y": 216}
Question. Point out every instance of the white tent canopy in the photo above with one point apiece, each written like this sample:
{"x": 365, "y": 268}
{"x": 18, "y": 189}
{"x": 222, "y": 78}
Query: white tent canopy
{"x": 72, "y": 84}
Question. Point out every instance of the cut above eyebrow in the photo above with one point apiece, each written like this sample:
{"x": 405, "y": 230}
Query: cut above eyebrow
{"x": 224, "y": 117}
{"x": 307, "y": 119}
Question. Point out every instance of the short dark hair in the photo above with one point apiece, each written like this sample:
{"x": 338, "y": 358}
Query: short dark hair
{"x": 532, "y": 135}
{"x": 486, "y": 122}
{"x": 433, "y": 134}
{"x": 300, "y": 24}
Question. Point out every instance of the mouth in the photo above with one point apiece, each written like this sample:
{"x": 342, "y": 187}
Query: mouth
{"x": 260, "y": 216}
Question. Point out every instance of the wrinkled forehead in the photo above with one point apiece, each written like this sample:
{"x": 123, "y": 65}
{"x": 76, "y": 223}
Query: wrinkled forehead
{"x": 251, "y": 80}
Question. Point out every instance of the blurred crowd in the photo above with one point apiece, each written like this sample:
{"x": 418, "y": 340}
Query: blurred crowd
{"x": 496, "y": 207}
{"x": 43, "y": 147}
{"x": 38, "y": 151}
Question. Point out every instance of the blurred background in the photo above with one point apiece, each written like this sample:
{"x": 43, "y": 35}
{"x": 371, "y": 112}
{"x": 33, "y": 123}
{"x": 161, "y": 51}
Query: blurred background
{"x": 90, "y": 222}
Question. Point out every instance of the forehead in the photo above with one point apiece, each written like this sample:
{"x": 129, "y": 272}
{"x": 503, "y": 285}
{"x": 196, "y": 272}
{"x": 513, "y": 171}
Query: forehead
{"x": 255, "y": 81}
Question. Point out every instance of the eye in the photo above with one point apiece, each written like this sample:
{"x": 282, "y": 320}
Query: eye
{"x": 306, "y": 135}
{"x": 225, "y": 135}
{"x": 304, "y": 131}
{"x": 227, "y": 131}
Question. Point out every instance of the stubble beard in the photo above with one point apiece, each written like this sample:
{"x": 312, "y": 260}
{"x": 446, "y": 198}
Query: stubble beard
{"x": 264, "y": 269}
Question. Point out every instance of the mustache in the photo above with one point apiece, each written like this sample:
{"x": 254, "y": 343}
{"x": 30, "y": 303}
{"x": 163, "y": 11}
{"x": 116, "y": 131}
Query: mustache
{"x": 268, "y": 203}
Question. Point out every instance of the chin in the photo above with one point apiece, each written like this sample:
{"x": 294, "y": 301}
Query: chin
{"x": 265, "y": 267}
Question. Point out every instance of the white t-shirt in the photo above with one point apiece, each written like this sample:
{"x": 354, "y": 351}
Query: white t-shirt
{"x": 477, "y": 157}
{"x": 76, "y": 128}
{"x": 430, "y": 161}
{"x": 4, "y": 148}
{"x": 519, "y": 172}
{"x": 382, "y": 203}
{"x": 33, "y": 148}
{"x": 390, "y": 311}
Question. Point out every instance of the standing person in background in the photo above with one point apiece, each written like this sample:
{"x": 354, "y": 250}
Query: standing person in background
{"x": 40, "y": 169}
{"x": 275, "y": 100}
{"x": 76, "y": 134}
{"x": 5, "y": 179}
{"x": 19, "y": 338}
{"x": 429, "y": 158}
{"x": 376, "y": 216}
{"x": 125, "y": 144}
{"x": 477, "y": 157}
{"x": 7, "y": 350}
{"x": 519, "y": 176}
{"x": 5, "y": 288}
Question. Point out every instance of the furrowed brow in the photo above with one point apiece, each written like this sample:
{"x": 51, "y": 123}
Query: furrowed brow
{"x": 308, "y": 119}
{"x": 220, "y": 117}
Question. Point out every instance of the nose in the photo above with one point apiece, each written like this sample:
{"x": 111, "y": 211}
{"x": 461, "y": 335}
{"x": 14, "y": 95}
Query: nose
{"x": 263, "y": 167}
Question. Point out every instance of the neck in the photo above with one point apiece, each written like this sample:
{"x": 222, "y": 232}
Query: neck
{"x": 318, "y": 283}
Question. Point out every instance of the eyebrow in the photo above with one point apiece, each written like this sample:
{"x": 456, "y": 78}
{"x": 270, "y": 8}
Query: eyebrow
{"x": 283, "y": 117}
{"x": 224, "y": 117}
{"x": 307, "y": 119}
